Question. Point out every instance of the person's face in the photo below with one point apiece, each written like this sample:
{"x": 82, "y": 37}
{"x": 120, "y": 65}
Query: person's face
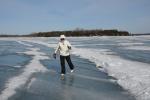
{"x": 62, "y": 39}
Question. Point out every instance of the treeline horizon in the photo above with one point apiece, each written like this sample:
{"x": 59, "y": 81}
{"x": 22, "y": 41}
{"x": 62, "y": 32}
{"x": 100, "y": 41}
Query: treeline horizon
{"x": 96, "y": 32}
{"x": 77, "y": 32}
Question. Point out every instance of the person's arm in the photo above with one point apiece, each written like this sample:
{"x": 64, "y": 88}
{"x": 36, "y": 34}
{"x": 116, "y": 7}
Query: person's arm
{"x": 69, "y": 45}
{"x": 56, "y": 50}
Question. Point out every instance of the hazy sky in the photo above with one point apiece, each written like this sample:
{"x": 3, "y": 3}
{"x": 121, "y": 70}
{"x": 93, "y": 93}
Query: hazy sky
{"x": 27, "y": 16}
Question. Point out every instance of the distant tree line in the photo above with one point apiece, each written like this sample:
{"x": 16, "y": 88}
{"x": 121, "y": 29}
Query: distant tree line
{"x": 138, "y": 34}
{"x": 4, "y": 35}
{"x": 77, "y": 32}
{"x": 81, "y": 33}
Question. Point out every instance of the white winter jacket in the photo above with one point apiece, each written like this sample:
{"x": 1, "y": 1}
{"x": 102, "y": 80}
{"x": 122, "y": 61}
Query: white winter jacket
{"x": 63, "y": 48}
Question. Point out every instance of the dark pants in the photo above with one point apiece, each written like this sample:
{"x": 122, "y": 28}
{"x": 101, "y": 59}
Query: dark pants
{"x": 62, "y": 62}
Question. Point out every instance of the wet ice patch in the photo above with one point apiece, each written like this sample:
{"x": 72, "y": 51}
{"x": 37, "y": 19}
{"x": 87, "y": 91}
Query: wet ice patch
{"x": 8, "y": 60}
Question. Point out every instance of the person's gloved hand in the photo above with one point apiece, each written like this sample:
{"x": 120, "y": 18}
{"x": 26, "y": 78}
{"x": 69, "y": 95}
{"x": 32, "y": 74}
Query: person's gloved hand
{"x": 69, "y": 47}
{"x": 54, "y": 55}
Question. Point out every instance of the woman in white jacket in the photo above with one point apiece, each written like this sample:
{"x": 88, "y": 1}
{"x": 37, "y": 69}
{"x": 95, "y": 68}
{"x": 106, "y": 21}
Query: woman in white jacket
{"x": 64, "y": 47}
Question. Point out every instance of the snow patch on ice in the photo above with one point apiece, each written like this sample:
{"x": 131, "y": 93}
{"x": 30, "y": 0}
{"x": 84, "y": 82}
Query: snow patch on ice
{"x": 23, "y": 43}
{"x": 42, "y": 43}
{"x": 93, "y": 44}
{"x": 31, "y": 82}
{"x": 133, "y": 76}
{"x": 17, "y": 66}
{"x": 138, "y": 48}
{"x": 130, "y": 44}
{"x": 33, "y": 67}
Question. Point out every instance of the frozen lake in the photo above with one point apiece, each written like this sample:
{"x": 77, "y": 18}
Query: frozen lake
{"x": 28, "y": 71}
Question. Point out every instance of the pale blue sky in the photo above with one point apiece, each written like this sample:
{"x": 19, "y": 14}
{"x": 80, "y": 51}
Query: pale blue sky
{"x": 27, "y": 16}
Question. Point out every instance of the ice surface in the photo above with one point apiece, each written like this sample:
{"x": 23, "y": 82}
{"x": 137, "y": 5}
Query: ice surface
{"x": 18, "y": 81}
{"x": 132, "y": 75}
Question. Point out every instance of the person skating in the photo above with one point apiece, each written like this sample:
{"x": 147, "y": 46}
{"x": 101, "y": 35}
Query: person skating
{"x": 63, "y": 48}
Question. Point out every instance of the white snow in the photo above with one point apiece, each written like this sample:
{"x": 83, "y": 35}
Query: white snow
{"x": 33, "y": 67}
